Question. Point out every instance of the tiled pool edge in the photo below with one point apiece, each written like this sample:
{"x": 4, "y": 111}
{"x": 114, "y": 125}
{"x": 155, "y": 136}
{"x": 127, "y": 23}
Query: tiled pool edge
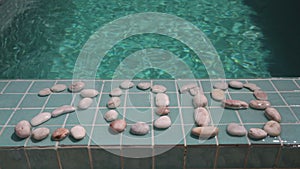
{"x": 284, "y": 154}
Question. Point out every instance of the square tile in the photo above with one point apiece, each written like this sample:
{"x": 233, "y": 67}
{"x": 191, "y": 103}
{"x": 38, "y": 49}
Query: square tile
{"x": 252, "y": 116}
{"x": 288, "y": 135}
{"x": 100, "y": 115}
{"x": 275, "y": 99}
{"x": 247, "y": 97}
{"x": 268, "y": 140}
{"x": 298, "y": 82}
{"x": 182, "y": 82}
{"x": 186, "y": 100}
{"x": 262, "y": 156}
{"x": 296, "y": 110}
{"x": 223, "y": 116}
{"x": 194, "y": 140}
{"x": 17, "y": 87}
{"x": 109, "y": 85}
{"x": 131, "y": 139}
{"x": 138, "y": 100}
{"x": 5, "y": 114}
{"x": 102, "y": 136}
{"x": 188, "y": 115}
{"x": 137, "y": 157}
{"x": 14, "y": 158}
{"x": 75, "y": 158}
{"x": 10, "y": 100}
{"x": 2, "y": 85}
{"x": 73, "y": 142}
{"x": 169, "y": 157}
{"x": 110, "y": 157}
{"x": 32, "y": 100}
{"x": 57, "y": 100}
{"x": 84, "y": 117}
{"x": 40, "y": 85}
{"x": 232, "y": 156}
{"x": 200, "y": 156}
{"x": 292, "y": 98}
{"x": 289, "y": 157}
{"x": 134, "y": 115}
{"x": 23, "y": 114}
{"x": 285, "y": 85}
{"x": 8, "y": 138}
{"x": 105, "y": 98}
{"x": 224, "y": 138}
{"x": 286, "y": 115}
{"x": 169, "y": 84}
{"x": 265, "y": 85}
{"x": 90, "y": 84}
{"x": 206, "y": 85}
{"x": 47, "y": 142}
{"x": 170, "y": 136}
{"x": 37, "y": 158}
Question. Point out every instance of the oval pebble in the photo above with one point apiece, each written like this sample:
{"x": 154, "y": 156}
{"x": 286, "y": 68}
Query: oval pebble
{"x": 260, "y": 95}
{"x": 62, "y": 110}
{"x": 162, "y": 100}
{"x": 196, "y": 90}
{"x": 76, "y": 86}
{"x": 234, "y": 104}
{"x": 113, "y": 102}
{"x": 221, "y": 85}
{"x": 127, "y": 84}
{"x": 116, "y": 92}
{"x": 45, "y": 92}
{"x": 218, "y": 94}
{"x": 236, "y": 84}
{"x": 40, "y": 133}
{"x": 186, "y": 88}
{"x": 118, "y": 125}
{"x": 163, "y": 122}
{"x": 139, "y": 128}
{"x": 89, "y": 93}
{"x": 257, "y": 133}
{"x": 78, "y": 132}
{"x": 162, "y": 110}
{"x": 85, "y": 103}
{"x": 236, "y": 129}
{"x": 40, "y": 118}
{"x": 272, "y": 128}
{"x": 58, "y": 88}
{"x": 158, "y": 89}
{"x": 259, "y": 104}
{"x": 144, "y": 85}
{"x": 199, "y": 100}
{"x": 251, "y": 86}
{"x": 272, "y": 114}
{"x": 111, "y": 115}
{"x": 23, "y": 129}
{"x": 60, "y": 134}
{"x": 201, "y": 116}
{"x": 205, "y": 132}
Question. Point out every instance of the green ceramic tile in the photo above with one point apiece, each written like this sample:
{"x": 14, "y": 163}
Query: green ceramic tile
{"x": 232, "y": 156}
{"x": 262, "y": 156}
{"x": 181, "y": 82}
{"x": 174, "y": 116}
{"x": 2, "y": 85}
{"x": 10, "y": 100}
{"x": 134, "y": 115}
{"x": 78, "y": 98}
{"x": 32, "y": 100}
{"x": 82, "y": 117}
{"x": 265, "y": 85}
{"x": 75, "y": 158}
{"x": 91, "y": 84}
{"x": 166, "y": 158}
{"x": 186, "y": 100}
{"x": 252, "y": 116}
{"x": 247, "y": 97}
{"x": 13, "y": 158}
{"x": 288, "y": 135}
{"x": 37, "y": 158}
{"x": 206, "y": 85}
{"x": 57, "y": 100}
{"x": 223, "y": 116}
{"x": 292, "y": 98}
{"x": 296, "y": 110}
{"x": 200, "y": 156}
{"x": 109, "y": 85}
{"x": 5, "y": 114}
{"x": 106, "y": 97}
{"x": 275, "y": 99}
{"x": 17, "y": 87}
{"x": 102, "y": 135}
{"x": 188, "y": 115}
{"x": 136, "y": 158}
{"x": 194, "y": 140}
{"x": 8, "y": 138}
{"x": 47, "y": 142}
{"x": 289, "y": 157}
{"x": 110, "y": 158}
{"x": 286, "y": 115}
{"x": 298, "y": 82}
{"x": 100, "y": 115}
{"x": 267, "y": 140}
{"x": 285, "y": 85}
{"x": 23, "y": 114}
{"x": 224, "y": 138}
{"x": 170, "y": 136}
{"x": 130, "y": 139}
{"x": 39, "y": 85}
{"x": 139, "y": 100}
{"x": 169, "y": 84}
{"x": 72, "y": 142}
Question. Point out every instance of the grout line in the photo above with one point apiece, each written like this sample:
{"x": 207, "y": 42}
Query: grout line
{"x": 296, "y": 83}
{"x": 4, "y": 88}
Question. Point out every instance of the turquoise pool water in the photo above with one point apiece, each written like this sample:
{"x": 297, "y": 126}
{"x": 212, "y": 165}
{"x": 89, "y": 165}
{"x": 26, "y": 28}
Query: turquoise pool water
{"x": 44, "y": 40}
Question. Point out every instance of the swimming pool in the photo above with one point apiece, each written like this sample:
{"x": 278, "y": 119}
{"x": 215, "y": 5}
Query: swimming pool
{"x": 44, "y": 39}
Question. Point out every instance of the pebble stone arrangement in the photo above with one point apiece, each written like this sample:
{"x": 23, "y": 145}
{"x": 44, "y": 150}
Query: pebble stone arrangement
{"x": 204, "y": 129}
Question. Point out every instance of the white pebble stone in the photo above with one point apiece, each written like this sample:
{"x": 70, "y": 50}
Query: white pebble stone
{"x": 236, "y": 84}
{"x": 23, "y": 129}
{"x": 272, "y": 114}
{"x": 221, "y": 85}
{"x": 200, "y": 100}
{"x": 85, "y": 103}
{"x": 40, "y": 118}
{"x": 40, "y": 133}
{"x": 118, "y": 126}
{"x": 201, "y": 116}
{"x": 235, "y": 104}
{"x": 127, "y": 84}
{"x": 162, "y": 122}
{"x": 158, "y": 89}
{"x": 76, "y": 86}
{"x": 144, "y": 85}
{"x": 45, "y": 92}
{"x": 58, "y": 88}
{"x": 62, "y": 110}
{"x": 186, "y": 88}
{"x": 78, "y": 132}
{"x": 116, "y": 92}
{"x": 139, "y": 128}
{"x": 113, "y": 102}
{"x": 236, "y": 129}
{"x": 162, "y": 110}
{"x": 111, "y": 115}
{"x": 218, "y": 94}
{"x": 257, "y": 133}
{"x": 196, "y": 90}
{"x": 259, "y": 104}
{"x": 205, "y": 132}
{"x": 260, "y": 95}
{"x": 162, "y": 100}
{"x": 272, "y": 128}
{"x": 60, "y": 134}
{"x": 89, "y": 93}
